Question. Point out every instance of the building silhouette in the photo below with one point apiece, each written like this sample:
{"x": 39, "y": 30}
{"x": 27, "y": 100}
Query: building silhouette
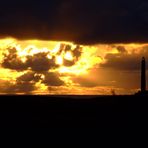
{"x": 143, "y": 90}
{"x": 143, "y": 75}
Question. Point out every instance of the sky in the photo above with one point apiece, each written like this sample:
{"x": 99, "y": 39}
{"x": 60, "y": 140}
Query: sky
{"x": 72, "y": 46}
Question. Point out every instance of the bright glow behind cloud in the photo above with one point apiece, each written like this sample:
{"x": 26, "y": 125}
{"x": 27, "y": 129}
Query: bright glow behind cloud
{"x": 50, "y": 67}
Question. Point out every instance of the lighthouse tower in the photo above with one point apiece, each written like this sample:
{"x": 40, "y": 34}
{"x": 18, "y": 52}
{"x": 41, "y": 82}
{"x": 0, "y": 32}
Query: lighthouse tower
{"x": 143, "y": 75}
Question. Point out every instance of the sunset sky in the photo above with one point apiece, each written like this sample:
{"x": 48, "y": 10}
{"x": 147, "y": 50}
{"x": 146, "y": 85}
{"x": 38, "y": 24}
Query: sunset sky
{"x": 72, "y": 47}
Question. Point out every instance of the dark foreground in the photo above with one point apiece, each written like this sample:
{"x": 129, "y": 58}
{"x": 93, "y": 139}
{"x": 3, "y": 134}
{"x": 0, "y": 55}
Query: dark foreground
{"x": 73, "y": 112}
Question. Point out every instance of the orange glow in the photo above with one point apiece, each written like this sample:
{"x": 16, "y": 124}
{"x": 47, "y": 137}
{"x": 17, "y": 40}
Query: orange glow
{"x": 79, "y": 63}
{"x": 59, "y": 60}
{"x": 68, "y": 56}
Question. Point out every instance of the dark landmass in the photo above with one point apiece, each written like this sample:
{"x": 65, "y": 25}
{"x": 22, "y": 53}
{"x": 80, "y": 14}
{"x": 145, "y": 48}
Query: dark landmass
{"x": 73, "y": 112}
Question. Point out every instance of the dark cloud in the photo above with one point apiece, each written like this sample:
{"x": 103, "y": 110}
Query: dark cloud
{"x": 23, "y": 84}
{"x": 76, "y": 53}
{"x": 125, "y": 61}
{"x": 29, "y": 76}
{"x": 19, "y": 87}
{"x": 26, "y": 82}
{"x": 62, "y": 48}
{"x": 12, "y": 61}
{"x": 52, "y": 79}
{"x": 67, "y": 48}
{"x": 68, "y": 63}
{"x": 48, "y": 78}
{"x": 38, "y": 62}
{"x": 36, "y": 68}
{"x": 81, "y": 21}
{"x": 121, "y": 49}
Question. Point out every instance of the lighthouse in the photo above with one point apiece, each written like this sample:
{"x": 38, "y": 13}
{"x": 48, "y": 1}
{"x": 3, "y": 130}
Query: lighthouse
{"x": 143, "y": 75}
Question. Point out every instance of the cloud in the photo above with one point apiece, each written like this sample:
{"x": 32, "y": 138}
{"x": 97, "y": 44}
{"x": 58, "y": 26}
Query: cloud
{"x": 18, "y": 87}
{"x": 29, "y": 77}
{"x": 125, "y": 61}
{"x": 23, "y": 84}
{"x": 81, "y": 21}
{"x": 37, "y": 67}
{"x": 77, "y": 52}
{"x": 40, "y": 63}
{"x": 121, "y": 49}
{"x": 143, "y": 12}
{"x": 68, "y": 63}
{"x": 12, "y": 61}
{"x": 52, "y": 79}
{"x": 26, "y": 82}
{"x": 47, "y": 78}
